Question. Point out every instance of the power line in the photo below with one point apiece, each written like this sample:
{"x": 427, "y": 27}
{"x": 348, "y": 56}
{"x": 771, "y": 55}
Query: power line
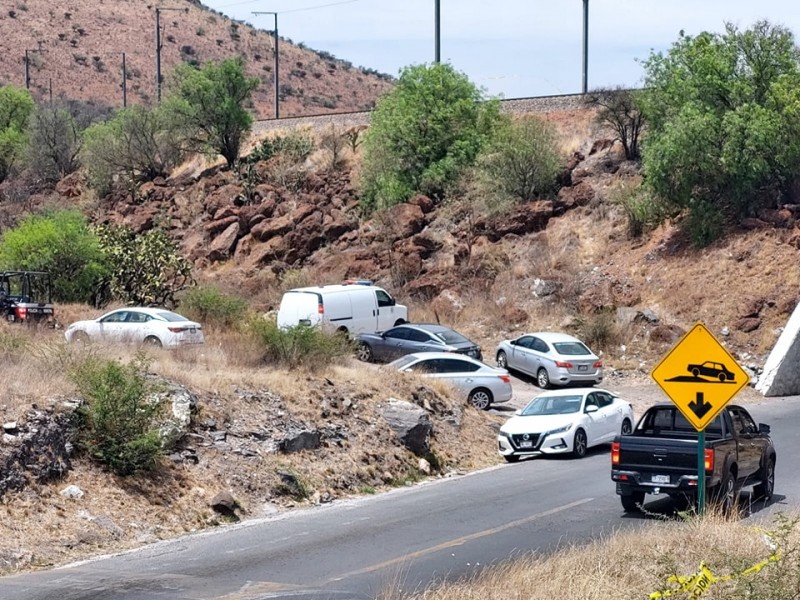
{"x": 319, "y": 6}
{"x": 292, "y": 10}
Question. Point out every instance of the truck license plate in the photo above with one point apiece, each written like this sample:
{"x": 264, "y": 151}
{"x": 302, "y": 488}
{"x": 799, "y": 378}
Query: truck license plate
{"x": 660, "y": 478}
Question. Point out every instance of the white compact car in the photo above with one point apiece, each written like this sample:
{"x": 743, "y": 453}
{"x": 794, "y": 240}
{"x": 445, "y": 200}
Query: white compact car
{"x": 565, "y": 421}
{"x": 153, "y": 326}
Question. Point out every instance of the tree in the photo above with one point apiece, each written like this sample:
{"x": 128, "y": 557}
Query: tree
{"x": 520, "y": 162}
{"x": 722, "y": 114}
{"x": 16, "y": 106}
{"x": 55, "y": 141}
{"x": 618, "y": 109}
{"x": 134, "y": 146}
{"x": 207, "y": 107}
{"x": 423, "y": 134}
{"x": 61, "y": 243}
{"x": 144, "y": 268}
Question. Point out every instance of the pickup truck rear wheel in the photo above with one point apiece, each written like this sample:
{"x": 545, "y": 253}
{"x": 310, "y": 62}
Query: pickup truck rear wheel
{"x": 725, "y": 493}
{"x": 765, "y": 489}
{"x": 632, "y": 502}
{"x": 579, "y": 444}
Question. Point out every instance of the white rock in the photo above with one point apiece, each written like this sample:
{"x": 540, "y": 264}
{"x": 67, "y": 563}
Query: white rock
{"x": 72, "y": 491}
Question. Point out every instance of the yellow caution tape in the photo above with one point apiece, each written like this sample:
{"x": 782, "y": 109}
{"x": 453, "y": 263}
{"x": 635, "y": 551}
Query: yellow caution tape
{"x": 698, "y": 583}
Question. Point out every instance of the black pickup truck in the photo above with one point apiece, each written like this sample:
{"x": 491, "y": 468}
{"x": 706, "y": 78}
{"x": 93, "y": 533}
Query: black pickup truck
{"x": 660, "y": 457}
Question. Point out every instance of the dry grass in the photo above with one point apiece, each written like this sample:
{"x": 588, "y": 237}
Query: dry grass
{"x": 634, "y": 564}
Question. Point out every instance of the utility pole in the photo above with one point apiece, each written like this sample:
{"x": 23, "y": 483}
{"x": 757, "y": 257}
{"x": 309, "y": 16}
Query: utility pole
{"x": 158, "y": 48}
{"x": 585, "y": 78}
{"x": 124, "y": 83}
{"x": 437, "y": 32}
{"x": 275, "y": 66}
{"x": 28, "y": 64}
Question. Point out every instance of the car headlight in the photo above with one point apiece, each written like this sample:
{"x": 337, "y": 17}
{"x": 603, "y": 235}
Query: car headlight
{"x": 560, "y": 430}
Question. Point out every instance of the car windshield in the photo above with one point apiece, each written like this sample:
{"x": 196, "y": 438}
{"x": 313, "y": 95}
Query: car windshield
{"x": 449, "y": 336}
{"x": 403, "y": 361}
{"x": 167, "y": 315}
{"x": 553, "y": 405}
{"x": 571, "y": 348}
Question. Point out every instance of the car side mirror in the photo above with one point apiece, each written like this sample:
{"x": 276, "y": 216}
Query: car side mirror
{"x": 591, "y": 408}
{"x": 513, "y": 342}
{"x": 763, "y": 428}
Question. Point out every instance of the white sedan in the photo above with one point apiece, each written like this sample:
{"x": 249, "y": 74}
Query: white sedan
{"x": 565, "y": 421}
{"x": 152, "y": 326}
{"x": 480, "y": 384}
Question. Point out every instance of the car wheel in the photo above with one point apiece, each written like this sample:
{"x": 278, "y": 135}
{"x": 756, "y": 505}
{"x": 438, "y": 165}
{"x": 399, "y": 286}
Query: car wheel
{"x": 80, "y": 337}
{"x": 579, "y": 444}
{"x": 152, "y": 341}
{"x": 480, "y": 398}
{"x": 721, "y": 377}
{"x": 765, "y": 489}
{"x": 543, "y": 379}
{"x": 695, "y": 373}
{"x": 725, "y": 493}
{"x": 502, "y": 360}
{"x": 400, "y": 322}
{"x": 632, "y": 502}
{"x": 626, "y": 427}
{"x": 364, "y": 353}
{"x": 511, "y": 458}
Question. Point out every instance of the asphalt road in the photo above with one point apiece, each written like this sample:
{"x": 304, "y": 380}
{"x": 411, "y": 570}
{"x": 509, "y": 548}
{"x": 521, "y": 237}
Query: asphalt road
{"x": 404, "y": 539}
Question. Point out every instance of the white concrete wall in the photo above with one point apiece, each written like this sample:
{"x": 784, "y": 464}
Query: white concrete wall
{"x": 781, "y": 376}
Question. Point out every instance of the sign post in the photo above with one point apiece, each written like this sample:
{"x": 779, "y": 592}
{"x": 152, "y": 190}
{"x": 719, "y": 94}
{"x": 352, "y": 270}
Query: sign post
{"x": 700, "y": 377}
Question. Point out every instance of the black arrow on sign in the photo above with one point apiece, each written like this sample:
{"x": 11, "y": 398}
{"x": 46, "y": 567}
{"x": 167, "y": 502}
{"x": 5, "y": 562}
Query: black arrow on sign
{"x": 699, "y": 406}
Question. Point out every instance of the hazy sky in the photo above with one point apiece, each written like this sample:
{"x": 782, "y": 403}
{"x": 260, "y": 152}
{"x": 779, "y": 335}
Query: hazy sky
{"x": 512, "y": 48}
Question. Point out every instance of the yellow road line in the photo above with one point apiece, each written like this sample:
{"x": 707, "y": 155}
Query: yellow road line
{"x": 459, "y": 541}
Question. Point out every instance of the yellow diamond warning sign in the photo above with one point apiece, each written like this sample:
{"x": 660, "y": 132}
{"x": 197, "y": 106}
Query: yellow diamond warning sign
{"x": 699, "y": 376}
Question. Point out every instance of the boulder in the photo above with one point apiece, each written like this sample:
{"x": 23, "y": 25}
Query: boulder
{"x": 579, "y": 194}
{"x": 747, "y": 324}
{"x": 302, "y": 440}
{"x": 527, "y": 218}
{"x": 214, "y": 227}
{"x": 447, "y": 304}
{"x": 225, "y": 504}
{"x": 182, "y": 405}
{"x": 221, "y": 246}
{"x": 406, "y": 219}
{"x": 411, "y": 424}
{"x": 273, "y": 227}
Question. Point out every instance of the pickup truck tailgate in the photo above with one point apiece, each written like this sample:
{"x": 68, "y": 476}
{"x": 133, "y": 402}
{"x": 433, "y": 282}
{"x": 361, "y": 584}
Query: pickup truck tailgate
{"x": 658, "y": 461}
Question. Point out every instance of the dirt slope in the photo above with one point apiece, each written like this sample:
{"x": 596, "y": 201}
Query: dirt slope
{"x": 76, "y": 47}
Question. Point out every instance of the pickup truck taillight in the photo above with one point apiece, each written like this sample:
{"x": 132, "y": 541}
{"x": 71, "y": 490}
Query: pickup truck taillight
{"x": 615, "y": 453}
{"x": 709, "y": 459}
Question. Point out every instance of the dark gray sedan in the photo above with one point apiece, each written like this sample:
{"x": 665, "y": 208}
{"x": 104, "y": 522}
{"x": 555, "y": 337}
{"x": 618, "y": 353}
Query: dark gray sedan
{"x": 405, "y": 339}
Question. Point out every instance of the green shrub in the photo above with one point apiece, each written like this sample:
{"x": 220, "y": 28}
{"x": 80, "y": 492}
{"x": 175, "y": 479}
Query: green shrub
{"x": 310, "y": 347}
{"x": 599, "y": 330}
{"x": 61, "y": 243}
{"x": 705, "y": 223}
{"x": 296, "y": 146}
{"x": 292, "y": 484}
{"x": 641, "y": 211}
{"x": 210, "y": 306}
{"x": 117, "y": 424}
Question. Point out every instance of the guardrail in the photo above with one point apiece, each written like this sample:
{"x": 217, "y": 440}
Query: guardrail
{"x": 530, "y": 104}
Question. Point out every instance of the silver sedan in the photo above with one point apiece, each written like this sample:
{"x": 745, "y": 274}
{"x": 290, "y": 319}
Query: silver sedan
{"x": 480, "y": 384}
{"x": 553, "y": 358}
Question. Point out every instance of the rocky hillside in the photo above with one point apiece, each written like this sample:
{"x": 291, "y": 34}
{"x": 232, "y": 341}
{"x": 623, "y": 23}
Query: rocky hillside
{"x": 75, "y": 49}
{"x": 258, "y": 440}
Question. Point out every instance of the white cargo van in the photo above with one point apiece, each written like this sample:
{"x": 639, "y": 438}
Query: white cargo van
{"x": 350, "y": 307}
